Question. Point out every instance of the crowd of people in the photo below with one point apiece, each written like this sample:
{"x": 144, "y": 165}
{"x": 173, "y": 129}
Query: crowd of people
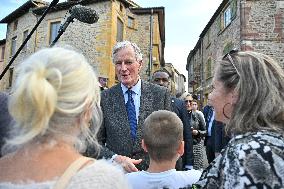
{"x": 59, "y": 129}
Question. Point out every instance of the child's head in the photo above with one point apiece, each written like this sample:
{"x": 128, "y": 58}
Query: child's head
{"x": 163, "y": 136}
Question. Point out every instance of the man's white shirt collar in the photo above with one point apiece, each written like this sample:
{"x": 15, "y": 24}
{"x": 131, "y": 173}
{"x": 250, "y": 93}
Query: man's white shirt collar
{"x": 136, "y": 88}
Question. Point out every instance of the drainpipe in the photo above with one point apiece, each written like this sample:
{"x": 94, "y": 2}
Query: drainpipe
{"x": 242, "y": 22}
{"x": 151, "y": 46}
{"x": 36, "y": 35}
{"x": 202, "y": 75}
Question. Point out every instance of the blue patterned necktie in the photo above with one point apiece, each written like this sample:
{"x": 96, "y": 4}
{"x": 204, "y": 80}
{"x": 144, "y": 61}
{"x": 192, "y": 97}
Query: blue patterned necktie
{"x": 130, "y": 107}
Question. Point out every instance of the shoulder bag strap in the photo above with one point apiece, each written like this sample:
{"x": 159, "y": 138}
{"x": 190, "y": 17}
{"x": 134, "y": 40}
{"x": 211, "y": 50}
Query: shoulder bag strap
{"x": 70, "y": 171}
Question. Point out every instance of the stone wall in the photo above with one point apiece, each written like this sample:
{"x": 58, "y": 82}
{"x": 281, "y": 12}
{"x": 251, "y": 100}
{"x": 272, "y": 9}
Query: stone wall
{"x": 26, "y": 22}
{"x": 219, "y": 38}
{"x": 263, "y": 28}
{"x": 141, "y": 36}
{"x": 258, "y": 25}
{"x": 92, "y": 40}
{"x": 95, "y": 40}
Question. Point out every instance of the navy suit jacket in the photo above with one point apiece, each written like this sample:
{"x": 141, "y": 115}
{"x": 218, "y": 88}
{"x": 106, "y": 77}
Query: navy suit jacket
{"x": 221, "y": 139}
{"x": 208, "y": 113}
{"x": 218, "y": 136}
{"x": 115, "y": 134}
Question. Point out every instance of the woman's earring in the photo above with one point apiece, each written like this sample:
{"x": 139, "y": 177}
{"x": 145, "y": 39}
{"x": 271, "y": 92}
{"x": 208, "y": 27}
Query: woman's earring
{"x": 224, "y": 111}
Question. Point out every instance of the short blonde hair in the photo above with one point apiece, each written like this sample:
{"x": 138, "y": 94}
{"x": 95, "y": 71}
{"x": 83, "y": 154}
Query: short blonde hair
{"x": 53, "y": 90}
{"x": 162, "y": 134}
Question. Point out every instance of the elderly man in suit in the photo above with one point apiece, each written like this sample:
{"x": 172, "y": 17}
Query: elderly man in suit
{"x": 125, "y": 106}
{"x": 162, "y": 77}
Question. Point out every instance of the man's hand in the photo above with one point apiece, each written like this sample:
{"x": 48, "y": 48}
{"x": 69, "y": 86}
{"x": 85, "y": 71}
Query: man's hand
{"x": 127, "y": 163}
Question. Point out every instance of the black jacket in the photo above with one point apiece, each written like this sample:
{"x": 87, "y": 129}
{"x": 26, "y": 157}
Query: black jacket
{"x": 179, "y": 108}
{"x": 198, "y": 123}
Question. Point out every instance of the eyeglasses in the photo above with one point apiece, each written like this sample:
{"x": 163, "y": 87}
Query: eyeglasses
{"x": 188, "y": 101}
{"x": 228, "y": 55}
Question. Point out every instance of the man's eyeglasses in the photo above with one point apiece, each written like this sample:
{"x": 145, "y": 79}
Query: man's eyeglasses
{"x": 228, "y": 55}
{"x": 188, "y": 101}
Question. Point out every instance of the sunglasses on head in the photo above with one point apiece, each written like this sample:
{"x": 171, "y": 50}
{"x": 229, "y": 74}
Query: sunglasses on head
{"x": 229, "y": 57}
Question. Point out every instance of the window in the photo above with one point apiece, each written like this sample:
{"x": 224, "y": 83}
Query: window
{"x": 15, "y": 25}
{"x": 11, "y": 72}
{"x": 119, "y": 34}
{"x": 54, "y": 27}
{"x": 233, "y": 9}
{"x": 2, "y": 53}
{"x": 208, "y": 68}
{"x": 228, "y": 14}
{"x": 25, "y": 35}
{"x": 13, "y": 46}
{"x": 130, "y": 22}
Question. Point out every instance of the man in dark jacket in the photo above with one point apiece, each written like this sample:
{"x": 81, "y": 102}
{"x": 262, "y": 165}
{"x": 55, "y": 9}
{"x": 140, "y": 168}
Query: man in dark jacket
{"x": 162, "y": 78}
{"x": 125, "y": 107}
{"x": 209, "y": 142}
{"x": 221, "y": 139}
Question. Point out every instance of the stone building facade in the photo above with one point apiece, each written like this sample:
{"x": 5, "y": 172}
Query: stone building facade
{"x": 2, "y": 54}
{"x": 118, "y": 20}
{"x": 177, "y": 80}
{"x": 237, "y": 24}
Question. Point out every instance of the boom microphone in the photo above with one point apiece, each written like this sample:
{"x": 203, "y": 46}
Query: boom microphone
{"x": 84, "y": 14}
{"x": 81, "y": 13}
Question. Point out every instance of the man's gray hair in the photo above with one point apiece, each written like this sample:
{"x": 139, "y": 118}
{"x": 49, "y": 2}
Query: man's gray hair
{"x": 124, "y": 44}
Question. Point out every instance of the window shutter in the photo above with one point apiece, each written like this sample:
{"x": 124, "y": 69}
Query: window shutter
{"x": 119, "y": 34}
{"x": 220, "y": 22}
{"x": 234, "y": 8}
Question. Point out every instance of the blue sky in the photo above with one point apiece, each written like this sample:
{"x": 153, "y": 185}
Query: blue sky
{"x": 185, "y": 20}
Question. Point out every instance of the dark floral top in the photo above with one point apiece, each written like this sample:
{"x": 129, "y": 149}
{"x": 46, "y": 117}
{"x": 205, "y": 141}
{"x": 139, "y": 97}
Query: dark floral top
{"x": 252, "y": 160}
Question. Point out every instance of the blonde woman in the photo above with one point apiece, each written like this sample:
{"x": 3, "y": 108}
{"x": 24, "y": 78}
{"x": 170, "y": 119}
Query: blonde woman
{"x": 55, "y": 96}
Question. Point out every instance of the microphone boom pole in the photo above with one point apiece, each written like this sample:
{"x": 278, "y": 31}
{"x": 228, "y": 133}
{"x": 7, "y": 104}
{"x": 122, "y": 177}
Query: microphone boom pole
{"x": 53, "y": 3}
{"x": 62, "y": 30}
